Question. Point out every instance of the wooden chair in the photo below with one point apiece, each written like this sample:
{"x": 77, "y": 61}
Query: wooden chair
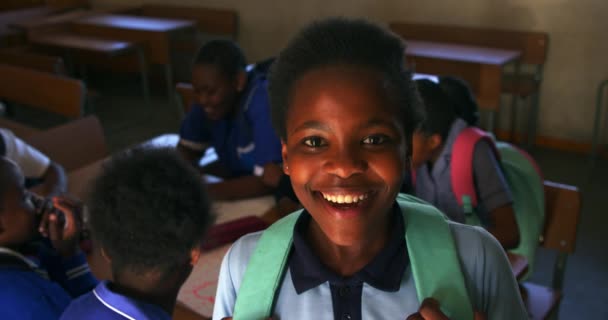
{"x": 44, "y": 91}
{"x": 185, "y": 97}
{"x": 562, "y": 214}
{"x": 74, "y": 144}
{"x": 521, "y": 84}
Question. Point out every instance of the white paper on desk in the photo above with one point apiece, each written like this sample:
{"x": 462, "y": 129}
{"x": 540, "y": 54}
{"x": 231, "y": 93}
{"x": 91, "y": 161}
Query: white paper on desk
{"x": 198, "y": 292}
{"x": 232, "y": 210}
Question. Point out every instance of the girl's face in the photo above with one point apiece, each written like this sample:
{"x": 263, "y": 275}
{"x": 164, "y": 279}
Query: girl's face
{"x": 215, "y": 92}
{"x": 345, "y": 151}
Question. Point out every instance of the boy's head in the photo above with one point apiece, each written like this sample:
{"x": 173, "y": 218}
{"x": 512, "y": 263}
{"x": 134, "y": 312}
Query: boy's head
{"x": 218, "y": 76}
{"x": 434, "y": 129}
{"x": 17, "y": 218}
{"x": 459, "y": 92}
{"x": 345, "y": 108}
{"x": 148, "y": 212}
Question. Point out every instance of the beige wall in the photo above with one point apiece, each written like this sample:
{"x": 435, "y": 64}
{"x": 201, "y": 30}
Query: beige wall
{"x": 578, "y": 49}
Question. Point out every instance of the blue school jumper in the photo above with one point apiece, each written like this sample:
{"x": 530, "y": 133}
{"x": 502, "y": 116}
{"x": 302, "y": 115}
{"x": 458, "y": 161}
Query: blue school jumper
{"x": 243, "y": 143}
{"x": 40, "y": 287}
{"x": 103, "y": 303}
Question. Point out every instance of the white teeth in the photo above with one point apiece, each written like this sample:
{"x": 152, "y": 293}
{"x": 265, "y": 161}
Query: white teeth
{"x": 344, "y": 198}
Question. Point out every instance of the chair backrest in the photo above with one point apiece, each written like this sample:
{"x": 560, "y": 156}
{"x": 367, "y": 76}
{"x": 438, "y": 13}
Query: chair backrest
{"x": 74, "y": 144}
{"x": 562, "y": 214}
{"x": 209, "y": 20}
{"x": 32, "y": 60}
{"x": 185, "y": 93}
{"x": 533, "y": 45}
{"x": 45, "y": 91}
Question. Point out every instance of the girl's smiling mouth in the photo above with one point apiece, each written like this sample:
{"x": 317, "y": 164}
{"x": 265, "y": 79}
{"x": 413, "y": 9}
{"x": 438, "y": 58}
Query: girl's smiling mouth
{"x": 345, "y": 204}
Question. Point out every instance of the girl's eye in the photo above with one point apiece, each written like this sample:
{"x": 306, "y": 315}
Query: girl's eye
{"x": 313, "y": 142}
{"x": 375, "y": 140}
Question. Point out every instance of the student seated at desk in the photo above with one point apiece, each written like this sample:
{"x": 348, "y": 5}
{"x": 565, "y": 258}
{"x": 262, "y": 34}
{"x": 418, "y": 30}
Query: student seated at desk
{"x": 148, "y": 213}
{"x": 231, "y": 115}
{"x": 41, "y": 172}
{"x": 39, "y": 275}
{"x": 345, "y": 108}
{"x": 433, "y": 143}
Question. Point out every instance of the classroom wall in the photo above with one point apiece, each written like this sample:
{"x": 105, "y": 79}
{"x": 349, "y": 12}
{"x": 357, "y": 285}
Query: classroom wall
{"x": 578, "y": 48}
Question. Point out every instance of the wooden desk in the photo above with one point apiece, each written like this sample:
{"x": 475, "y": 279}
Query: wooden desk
{"x": 9, "y": 36}
{"x": 29, "y": 25}
{"x": 109, "y": 48}
{"x": 481, "y": 67}
{"x": 155, "y": 35}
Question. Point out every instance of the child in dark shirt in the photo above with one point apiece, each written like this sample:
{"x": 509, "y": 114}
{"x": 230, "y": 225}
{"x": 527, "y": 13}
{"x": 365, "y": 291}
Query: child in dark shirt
{"x": 148, "y": 214}
{"x": 41, "y": 266}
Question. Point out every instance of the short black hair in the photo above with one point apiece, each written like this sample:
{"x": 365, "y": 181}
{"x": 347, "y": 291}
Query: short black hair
{"x": 461, "y": 95}
{"x": 342, "y": 41}
{"x": 224, "y": 54}
{"x": 438, "y": 109}
{"x": 148, "y": 209}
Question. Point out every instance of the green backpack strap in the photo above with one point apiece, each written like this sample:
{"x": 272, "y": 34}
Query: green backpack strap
{"x": 435, "y": 265}
{"x": 434, "y": 261}
{"x": 264, "y": 272}
{"x": 527, "y": 190}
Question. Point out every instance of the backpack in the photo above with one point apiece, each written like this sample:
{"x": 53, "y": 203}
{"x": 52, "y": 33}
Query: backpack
{"x": 436, "y": 273}
{"x": 523, "y": 177}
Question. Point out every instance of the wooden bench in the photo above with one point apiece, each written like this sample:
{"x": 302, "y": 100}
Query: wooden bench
{"x": 74, "y": 144}
{"x": 20, "y": 130}
{"x": 41, "y": 90}
{"x": 562, "y": 214}
{"x": 24, "y": 58}
{"x": 76, "y": 44}
{"x": 532, "y": 45}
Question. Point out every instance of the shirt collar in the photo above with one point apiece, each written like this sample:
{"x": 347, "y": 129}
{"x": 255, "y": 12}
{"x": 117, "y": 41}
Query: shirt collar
{"x": 128, "y": 307}
{"x": 384, "y": 272}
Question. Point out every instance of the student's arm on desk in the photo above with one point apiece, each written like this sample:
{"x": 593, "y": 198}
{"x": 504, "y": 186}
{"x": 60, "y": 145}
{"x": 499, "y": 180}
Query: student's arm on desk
{"x": 238, "y": 188}
{"x": 504, "y": 226}
{"x": 191, "y": 155}
{"x": 247, "y": 186}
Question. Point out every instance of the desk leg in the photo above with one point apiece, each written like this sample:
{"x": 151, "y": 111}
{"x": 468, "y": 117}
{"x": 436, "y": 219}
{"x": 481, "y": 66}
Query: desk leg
{"x": 490, "y": 88}
{"x": 169, "y": 76}
{"x": 143, "y": 67}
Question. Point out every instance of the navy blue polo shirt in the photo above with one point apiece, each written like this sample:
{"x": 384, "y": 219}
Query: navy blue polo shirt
{"x": 40, "y": 286}
{"x": 243, "y": 143}
{"x": 384, "y": 272}
{"x": 103, "y": 303}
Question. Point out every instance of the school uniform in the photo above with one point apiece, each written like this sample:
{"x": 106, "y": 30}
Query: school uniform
{"x": 41, "y": 286}
{"x": 103, "y": 303}
{"x": 433, "y": 183}
{"x": 384, "y": 289}
{"x": 245, "y": 142}
{"x": 32, "y": 162}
